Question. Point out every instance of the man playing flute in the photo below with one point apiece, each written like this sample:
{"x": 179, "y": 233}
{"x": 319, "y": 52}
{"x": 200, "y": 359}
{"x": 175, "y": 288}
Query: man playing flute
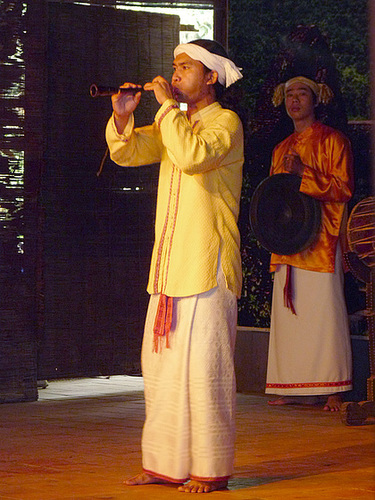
{"x": 195, "y": 275}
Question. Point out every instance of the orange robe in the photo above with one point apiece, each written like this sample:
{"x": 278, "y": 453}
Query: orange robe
{"x": 309, "y": 350}
{"x": 328, "y": 177}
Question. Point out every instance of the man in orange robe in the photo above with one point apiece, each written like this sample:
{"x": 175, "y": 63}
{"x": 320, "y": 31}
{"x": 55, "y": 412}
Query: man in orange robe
{"x": 309, "y": 354}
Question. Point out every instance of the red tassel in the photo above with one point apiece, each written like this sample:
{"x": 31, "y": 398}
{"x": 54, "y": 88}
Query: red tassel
{"x": 163, "y": 320}
{"x": 168, "y": 319}
{"x": 288, "y": 290}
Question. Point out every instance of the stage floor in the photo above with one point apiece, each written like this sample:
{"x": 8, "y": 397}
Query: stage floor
{"x": 82, "y": 438}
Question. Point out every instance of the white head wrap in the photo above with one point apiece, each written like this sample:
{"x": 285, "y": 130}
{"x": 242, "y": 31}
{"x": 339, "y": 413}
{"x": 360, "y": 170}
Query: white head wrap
{"x": 227, "y": 71}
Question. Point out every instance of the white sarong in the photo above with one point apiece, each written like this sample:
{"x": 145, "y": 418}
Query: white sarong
{"x": 190, "y": 389}
{"x": 310, "y": 352}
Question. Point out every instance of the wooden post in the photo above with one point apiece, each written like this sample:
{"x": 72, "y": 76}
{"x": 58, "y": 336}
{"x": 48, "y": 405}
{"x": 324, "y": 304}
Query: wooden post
{"x": 221, "y": 22}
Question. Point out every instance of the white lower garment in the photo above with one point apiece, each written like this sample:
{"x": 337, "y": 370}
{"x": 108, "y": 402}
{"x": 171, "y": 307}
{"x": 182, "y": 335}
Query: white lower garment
{"x": 310, "y": 352}
{"x": 190, "y": 389}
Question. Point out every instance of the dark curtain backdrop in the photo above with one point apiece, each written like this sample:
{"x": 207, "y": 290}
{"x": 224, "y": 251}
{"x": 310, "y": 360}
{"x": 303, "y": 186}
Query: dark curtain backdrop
{"x": 74, "y": 247}
{"x": 97, "y": 231}
{"x": 17, "y": 312}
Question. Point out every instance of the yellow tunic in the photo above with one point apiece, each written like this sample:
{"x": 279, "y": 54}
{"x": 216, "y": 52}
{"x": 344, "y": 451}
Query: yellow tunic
{"x": 198, "y": 194}
{"x": 328, "y": 177}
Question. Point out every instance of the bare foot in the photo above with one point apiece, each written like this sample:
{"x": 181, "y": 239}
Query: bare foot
{"x": 144, "y": 478}
{"x": 294, "y": 400}
{"x": 194, "y": 486}
{"x": 334, "y": 403}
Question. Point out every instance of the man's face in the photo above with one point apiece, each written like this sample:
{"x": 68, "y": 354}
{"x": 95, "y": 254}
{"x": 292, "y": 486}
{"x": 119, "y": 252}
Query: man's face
{"x": 189, "y": 80}
{"x": 300, "y": 102}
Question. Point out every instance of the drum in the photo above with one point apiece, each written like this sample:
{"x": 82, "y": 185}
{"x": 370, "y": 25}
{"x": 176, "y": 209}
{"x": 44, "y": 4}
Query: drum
{"x": 361, "y": 231}
{"x": 284, "y": 220}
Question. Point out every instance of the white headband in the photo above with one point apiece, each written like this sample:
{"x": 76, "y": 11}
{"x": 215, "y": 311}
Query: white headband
{"x": 227, "y": 71}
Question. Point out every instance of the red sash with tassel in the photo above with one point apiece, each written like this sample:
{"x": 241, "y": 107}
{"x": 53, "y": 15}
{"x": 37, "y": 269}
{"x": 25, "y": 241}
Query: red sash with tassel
{"x": 163, "y": 320}
{"x": 288, "y": 290}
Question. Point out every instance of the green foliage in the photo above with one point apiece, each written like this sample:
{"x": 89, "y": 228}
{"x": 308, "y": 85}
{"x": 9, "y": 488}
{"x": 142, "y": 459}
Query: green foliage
{"x": 254, "y": 306}
{"x": 258, "y": 27}
{"x": 355, "y": 87}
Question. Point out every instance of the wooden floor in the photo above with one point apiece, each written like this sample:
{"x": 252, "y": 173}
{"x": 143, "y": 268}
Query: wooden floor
{"x": 82, "y": 438}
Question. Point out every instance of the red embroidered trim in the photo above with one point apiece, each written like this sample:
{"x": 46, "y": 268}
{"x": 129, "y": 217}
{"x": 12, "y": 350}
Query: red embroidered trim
{"x": 199, "y": 478}
{"x": 310, "y": 384}
{"x": 163, "y": 318}
{"x": 169, "y": 108}
{"x": 161, "y": 243}
{"x": 166, "y": 478}
{"x": 174, "y": 223}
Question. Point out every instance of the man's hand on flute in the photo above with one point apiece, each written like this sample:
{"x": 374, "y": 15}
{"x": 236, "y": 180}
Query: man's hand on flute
{"x": 124, "y": 105}
{"x": 162, "y": 89}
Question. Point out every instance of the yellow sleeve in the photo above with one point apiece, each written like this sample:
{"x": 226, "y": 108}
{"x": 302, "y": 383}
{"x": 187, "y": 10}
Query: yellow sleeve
{"x": 208, "y": 149}
{"x": 135, "y": 146}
